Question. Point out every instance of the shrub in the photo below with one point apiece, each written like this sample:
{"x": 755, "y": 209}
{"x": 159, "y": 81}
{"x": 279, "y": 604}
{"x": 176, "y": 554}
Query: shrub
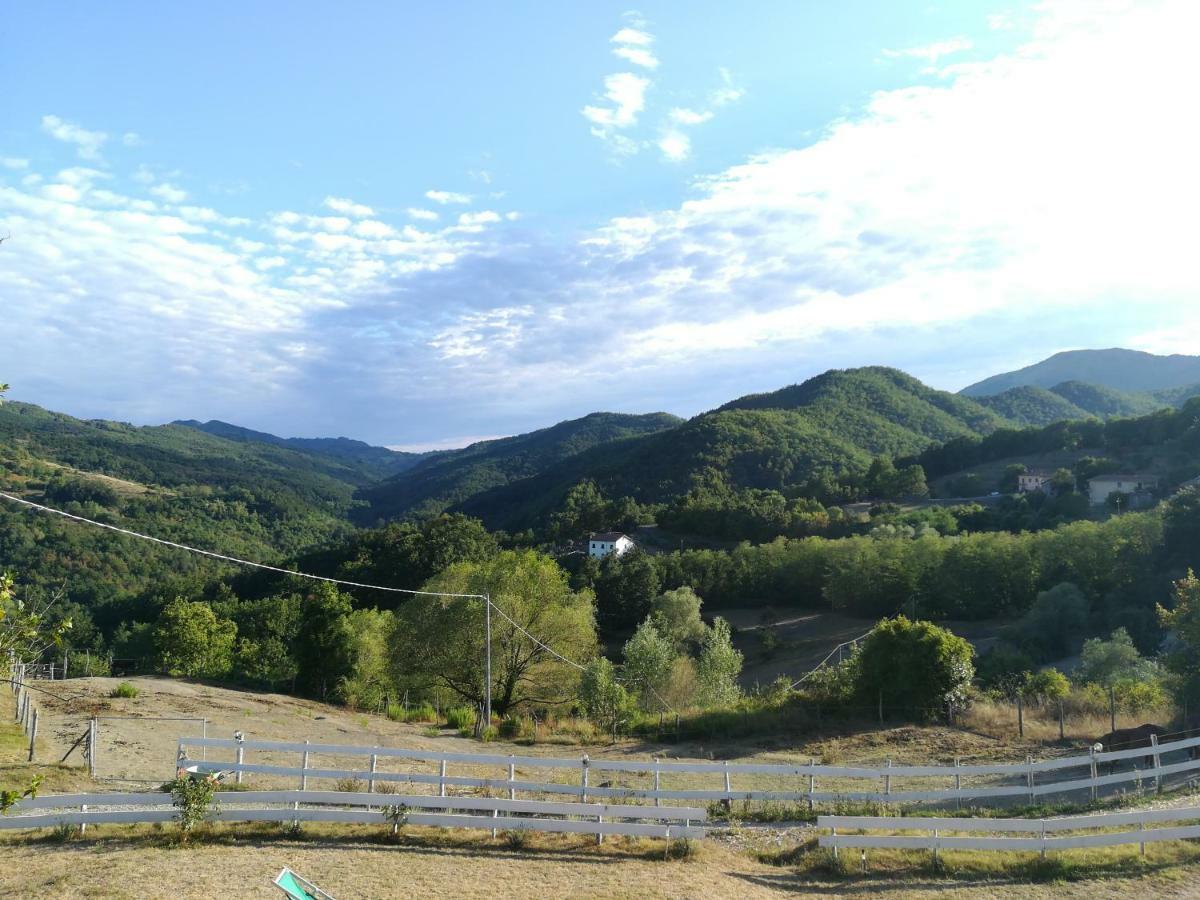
{"x": 460, "y": 717}
{"x": 422, "y": 712}
{"x": 510, "y": 727}
{"x": 348, "y": 785}
{"x": 517, "y": 839}
{"x": 124, "y": 690}
{"x": 914, "y": 665}
{"x": 194, "y": 798}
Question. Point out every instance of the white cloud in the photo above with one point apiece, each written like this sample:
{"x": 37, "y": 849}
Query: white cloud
{"x": 87, "y": 143}
{"x": 684, "y": 116}
{"x": 626, "y": 93}
{"x": 131, "y": 139}
{"x": 13, "y": 162}
{"x": 425, "y": 215}
{"x": 445, "y": 197}
{"x": 633, "y": 36}
{"x": 931, "y": 53}
{"x": 637, "y": 56}
{"x": 348, "y": 207}
{"x": 675, "y": 146}
{"x": 169, "y": 193}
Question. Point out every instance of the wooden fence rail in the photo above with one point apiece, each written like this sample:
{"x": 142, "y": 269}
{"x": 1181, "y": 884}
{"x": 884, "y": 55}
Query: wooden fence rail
{"x": 580, "y": 786}
{"x": 934, "y": 837}
{"x": 298, "y": 806}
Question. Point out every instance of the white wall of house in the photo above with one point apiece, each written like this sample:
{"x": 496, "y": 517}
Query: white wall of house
{"x": 1100, "y": 487}
{"x": 600, "y": 549}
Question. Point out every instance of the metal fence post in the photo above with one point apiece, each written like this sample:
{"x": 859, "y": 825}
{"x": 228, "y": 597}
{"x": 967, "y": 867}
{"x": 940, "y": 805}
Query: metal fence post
{"x": 1095, "y": 774}
{"x": 584, "y": 761}
{"x": 512, "y": 777}
{"x": 1029, "y": 777}
{"x": 374, "y": 769}
{"x": 241, "y": 752}
{"x": 887, "y": 781}
{"x": 812, "y": 783}
{"x": 94, "y": 744}
{"x": 957, "y": 784}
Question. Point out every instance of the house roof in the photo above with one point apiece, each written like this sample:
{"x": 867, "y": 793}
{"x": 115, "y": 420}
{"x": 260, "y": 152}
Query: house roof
{"x": 609, "y": 537}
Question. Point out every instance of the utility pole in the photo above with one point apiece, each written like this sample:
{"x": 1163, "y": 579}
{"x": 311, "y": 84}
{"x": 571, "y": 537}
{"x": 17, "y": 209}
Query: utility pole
{"x": 487, "y": 678}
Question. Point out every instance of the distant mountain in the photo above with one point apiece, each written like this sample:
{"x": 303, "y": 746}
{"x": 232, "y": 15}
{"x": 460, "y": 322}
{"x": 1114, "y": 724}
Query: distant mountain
{"x": 1122, "y": 370}
{"x": 375, "y": 462}
{"x": 446, "y": 479}
{"x": 1028, "y": 405}
{"x": 1105, "y": 402}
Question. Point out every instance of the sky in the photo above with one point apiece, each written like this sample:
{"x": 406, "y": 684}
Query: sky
{"x": 425, "y": 224}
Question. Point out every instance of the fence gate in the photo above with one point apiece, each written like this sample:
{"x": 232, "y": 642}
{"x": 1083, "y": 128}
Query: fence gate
{"x": 140, "y": 748}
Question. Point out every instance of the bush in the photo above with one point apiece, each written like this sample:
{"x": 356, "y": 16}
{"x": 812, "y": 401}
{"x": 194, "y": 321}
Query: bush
{"x": 460, "y": 717}
{"x": 124, "y": 690}
{"x": 914, "y": 665}
{"x": 194, "y": 798}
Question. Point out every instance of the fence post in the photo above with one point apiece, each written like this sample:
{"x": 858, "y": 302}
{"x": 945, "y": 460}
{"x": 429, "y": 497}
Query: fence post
{"x": 812, "y": 783}
{"x": 657, "y": 783}
{"x": 1157, "y": 764}
{"x": 83, "y": 825}
{"x": 833, "y": 833}
{"x": 935, "y": 846}
{"x": 1142, "y": 843}
{"x": 1020, "y": 717}
{"x": 1043, "y": 838}
{"x": 512, "y": 776}
{"x": 1061, "y": 723}
{"x": 887, "y": 781}
{"x": 1029, "y": 777}
{"x": 241, "y": 751}
{"x": 442, "y": 780}
{"x": 1095, "y": 773}
{"x": 957, "y": 783}
{"x": 371, "y": 780}
{"x": 304, "y": 766}
{"x": 728, "y": 786}
{"x": 93, "y": 744}
{"x": 33, "y": 736}
{"x": 584, "y": 762}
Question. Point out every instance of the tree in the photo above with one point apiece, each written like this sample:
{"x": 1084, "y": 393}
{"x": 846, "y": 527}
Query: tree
{"x": 648, "y": 657}
{"x": 676, "y": 615}
{"x": 193, "y": 642}
{"x": 626, "y": 587}
{"x": 1054, "y": 626}
{"x": 25, "y": 632}
{"x": 1181, "y": 520}
{"x": 718, "y": 666}
{"x": 324, "y": 643}
{"x": 1010, "y": 480}
{"x": 1113, "y": 664}
{"x": 370, "y": 678}
{"x": 1183, "y": 620}
{"x": 914, "y": 666}
{"x": 441, "y": 639}
{"x": 603, "y": 698}
{"x": 1047, "y": 686}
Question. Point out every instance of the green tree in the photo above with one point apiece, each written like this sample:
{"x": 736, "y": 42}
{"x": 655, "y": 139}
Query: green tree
{"x": 1047, "y": 686}
{"x": 441, "y": 639}
{"x": 1010, "y": 480}
{"x": 324, "y": 643}
{"x": 1108, "y": 663}
{"x": 1054, "y": 626}
{"x": 676, "y": 615}
{"x": 26, "y": 632}
{"x": 914, "y": 666}
{"x": 1183, "y": 621}
{"x": 625, "y": 590}
{"x": 370, "y": 678}
{"x": 718, "y": 666}
{"x": 603, "y": 698}
{"x": 193, "y": 642}
{"x": 648, "y": 657}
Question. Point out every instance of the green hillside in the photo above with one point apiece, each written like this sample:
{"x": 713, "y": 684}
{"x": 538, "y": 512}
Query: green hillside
{"x": 375, "y": 463}
{"x": 446, "y": 479}
{"x": 1105, "y": 402}
{"x": 1029, "y": 405}
{"x": 834, "y": 423}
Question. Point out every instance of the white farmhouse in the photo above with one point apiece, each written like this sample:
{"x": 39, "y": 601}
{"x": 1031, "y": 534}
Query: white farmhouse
{"x": 1029, "y": 482}
{"x": 1138, "y": 487}
{"x": 600, "y": 545}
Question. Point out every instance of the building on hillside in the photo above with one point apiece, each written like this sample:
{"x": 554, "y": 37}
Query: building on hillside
{"x": 606, "y": 542}
{"x": 1139, "y": 488}
{"x": 1031, "y": 482}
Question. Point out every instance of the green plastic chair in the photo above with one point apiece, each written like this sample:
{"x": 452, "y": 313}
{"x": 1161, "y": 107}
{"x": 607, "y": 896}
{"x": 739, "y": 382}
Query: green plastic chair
{"x": 297, "y": 887}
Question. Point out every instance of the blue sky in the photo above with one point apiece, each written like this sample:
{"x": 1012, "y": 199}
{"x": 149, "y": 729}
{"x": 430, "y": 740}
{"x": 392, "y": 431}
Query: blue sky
{"x": 424, "y": 224}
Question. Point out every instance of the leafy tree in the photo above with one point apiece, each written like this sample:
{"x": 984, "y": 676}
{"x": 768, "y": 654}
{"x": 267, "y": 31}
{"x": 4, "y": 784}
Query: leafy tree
{"x": 1183, "y": 620}
{"x": 676, "y": 615}
{"x": 1047, "y": 686}
{"x": 603, "y": 698}
{"x": 267, "y": 631}
{"x": 648, "y": 657}
{"x": 1182, "y": 527}
{"x": 625, "y": 590}
{"x": 1055, "y": 625}
{"x": 1005, "y": 669}
{"x": 718, "y": 666}
{"x": 324, "y": 643}
{"x": 25, "y": 632}
{"x": 1063, "y": 481}
{"x": 193, "y": 642}
{"x": 1010, "y": 480}
{"x": 914, "y": 665}
{"x": 1109, "y": 663}
{"x": 442, "y": 638}
{"x": 370, "y": 679}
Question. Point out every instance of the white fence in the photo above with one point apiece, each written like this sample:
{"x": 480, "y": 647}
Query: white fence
{"x": 581, "y": 785}
{"x": 933, "y": 832}
{"x": 356, "y": 807}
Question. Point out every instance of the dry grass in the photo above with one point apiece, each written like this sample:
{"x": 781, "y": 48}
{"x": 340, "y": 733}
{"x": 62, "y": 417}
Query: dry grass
{"x": 115, "y": 861}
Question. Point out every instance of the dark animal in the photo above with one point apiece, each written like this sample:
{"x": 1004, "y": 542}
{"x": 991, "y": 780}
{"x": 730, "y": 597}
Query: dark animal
{"x": 1132, "y": 739}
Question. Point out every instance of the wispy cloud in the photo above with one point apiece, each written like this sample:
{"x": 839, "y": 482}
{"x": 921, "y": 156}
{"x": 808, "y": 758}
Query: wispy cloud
{"x": 447, "y": 197}
{"x": 931, "y": 53}
{"x": 423, "y": 215}
{"x": 348, "y": 207}
{"x": 169, "y": 193}
{"x": 87, "y": 143}
{"x": 674, "y": 141}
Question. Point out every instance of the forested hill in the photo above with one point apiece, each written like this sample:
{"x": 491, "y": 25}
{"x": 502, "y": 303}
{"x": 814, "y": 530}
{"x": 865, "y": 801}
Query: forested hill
{"x": 825, "y": 428}
{"x": 375, "y": 463}
{"x": 1074, "y": 400}
{"x": 446, "y": 479}
{"x": 1122, "y": 370}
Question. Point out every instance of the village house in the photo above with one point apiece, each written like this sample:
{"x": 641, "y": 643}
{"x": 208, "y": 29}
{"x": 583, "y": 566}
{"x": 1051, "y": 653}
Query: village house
{"x": 1137, "y": 487}
{"x": 604, "y": 543}
{"x": 1030, "y": 482}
